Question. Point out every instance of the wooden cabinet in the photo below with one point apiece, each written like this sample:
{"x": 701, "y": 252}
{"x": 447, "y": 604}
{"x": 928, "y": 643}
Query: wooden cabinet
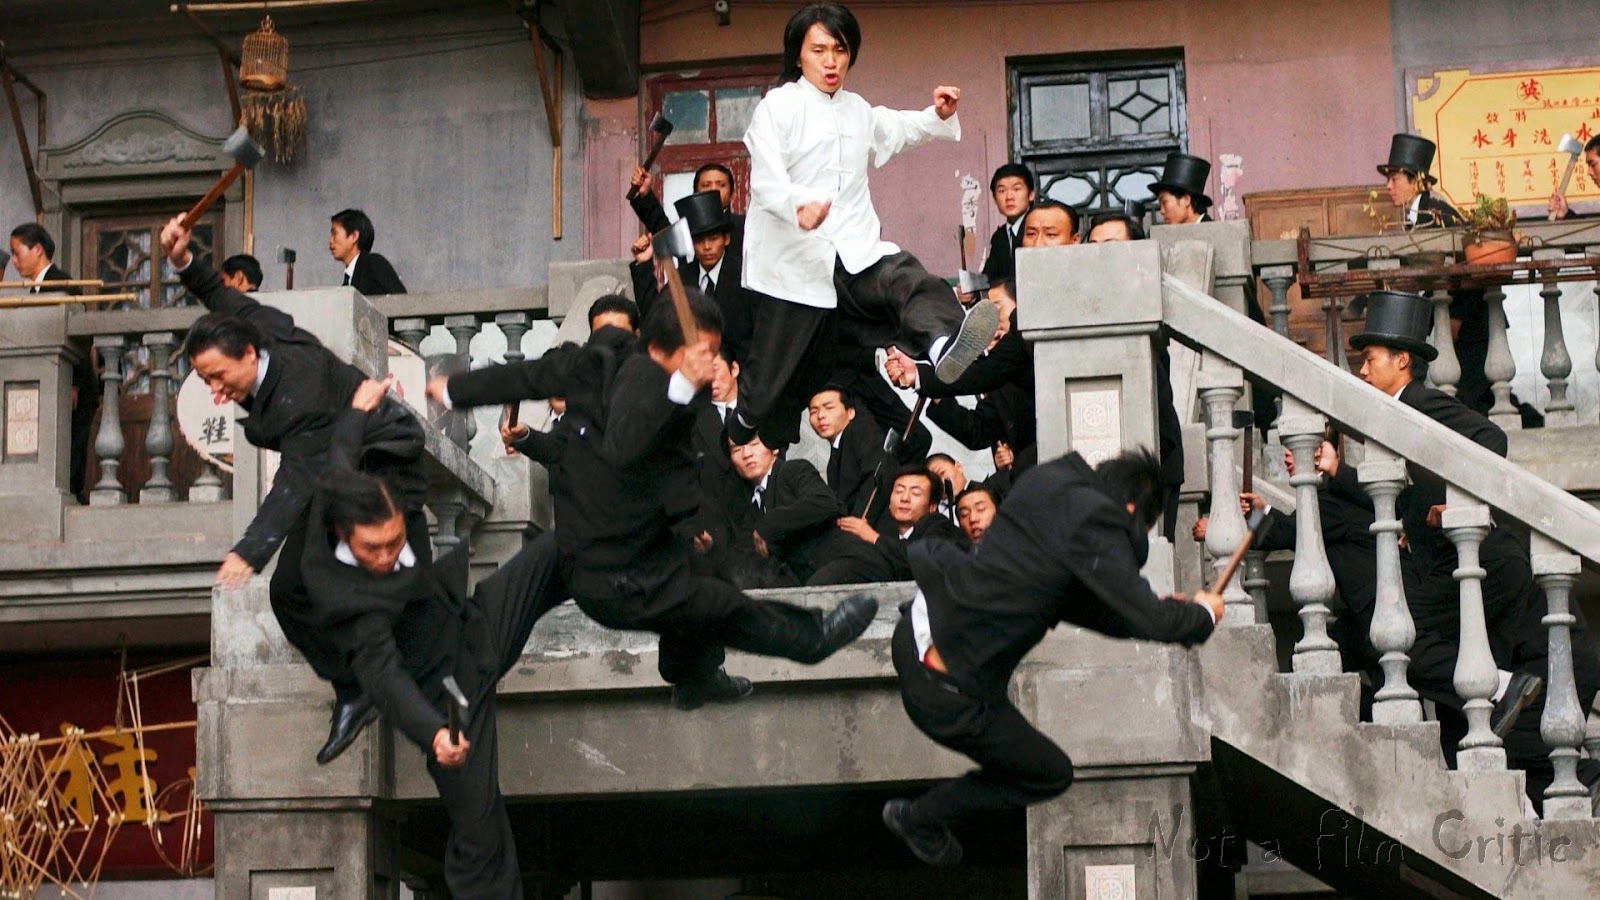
{"x": 1325, "y": 211}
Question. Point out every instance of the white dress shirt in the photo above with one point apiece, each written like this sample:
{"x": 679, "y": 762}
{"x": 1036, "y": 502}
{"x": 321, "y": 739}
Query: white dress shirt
{"x": 350, "y": 270}
{"x": 714, "y": 273}
{"x": 807, "y": 146}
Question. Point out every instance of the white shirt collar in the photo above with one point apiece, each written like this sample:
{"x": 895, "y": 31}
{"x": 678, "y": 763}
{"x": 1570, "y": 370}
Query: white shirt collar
{"x": 905, "y": 533}
{"x": 815, "y": 93}
{"x": 262, "y": 358}
{"x": 1015, "y": 227}
{"x": 715, "y": 271}
{"x": 1412, "y": 209}
{"x": 344, "y": 554}
{"x": 350, "y": 270}
{"x": 767, "y": 477}
{"x": 838, "y": 437}
{"x": 1400, "y": 390}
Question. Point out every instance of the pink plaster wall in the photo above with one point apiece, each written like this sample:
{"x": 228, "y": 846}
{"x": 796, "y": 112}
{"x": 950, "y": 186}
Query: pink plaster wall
{"x": 1303, "y": 92}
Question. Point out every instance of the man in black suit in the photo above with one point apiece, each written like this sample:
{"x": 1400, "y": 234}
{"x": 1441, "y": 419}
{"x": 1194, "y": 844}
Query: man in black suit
{"x": 709, "y": 177}
{"x": 1011, "y": 186}
{"x": 1066, "y": 546}
{"x": 242, "y": 272}
{"x": 783, "y": 519}
{"x": 350, "y": 239}
{"x": 714, "y": 270}
{"x": 975, "y": 510}
{"x": 33, "y": 251}
{"x": 293, "y": 390}
{"x": 634, "y": 486}
{"x": 878, "y": 552}
{"x": 855, "y": 448}
{"x": 406, "y": 625}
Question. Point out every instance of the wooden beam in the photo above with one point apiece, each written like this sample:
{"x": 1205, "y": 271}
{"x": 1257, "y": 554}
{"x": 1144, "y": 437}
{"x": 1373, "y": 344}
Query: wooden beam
{"x": 9, "y": 80}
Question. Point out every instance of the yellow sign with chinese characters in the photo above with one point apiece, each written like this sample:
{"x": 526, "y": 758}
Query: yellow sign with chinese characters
{"x": 1497, "y": 133}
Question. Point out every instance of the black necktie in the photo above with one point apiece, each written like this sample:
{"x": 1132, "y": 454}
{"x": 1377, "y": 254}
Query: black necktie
{"x": 346, "y": 280}
{"x": 755, "y": 501}
{"x": 833, "y": 468}
{"x": 707, "y": 286}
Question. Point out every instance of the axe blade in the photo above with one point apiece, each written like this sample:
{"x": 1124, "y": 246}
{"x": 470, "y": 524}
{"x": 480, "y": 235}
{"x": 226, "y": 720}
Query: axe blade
{"x": 1570, "y": 146}
{"x": 674, "y": 241}
{"x": 458, "y": 706}
{"x": 972, "y": 282}
{"x": 244, "y": 151}
{"x": 661, "y": 125}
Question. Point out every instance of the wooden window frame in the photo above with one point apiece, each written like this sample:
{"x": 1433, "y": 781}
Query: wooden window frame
{"x": 676, "y": 158}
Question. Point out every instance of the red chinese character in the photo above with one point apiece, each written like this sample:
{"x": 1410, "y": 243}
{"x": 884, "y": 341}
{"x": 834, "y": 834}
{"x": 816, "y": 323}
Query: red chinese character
{"x": 1522, "y": 115}
{"x": 1491, "y": 118}
{"x": 1541, "y": 136}
{"x": 1529, "y": 90}
{"x": 1584, "y": 133}
{"x": 1527, "y": 167}
{"x": 1510, "y": 139}
{"x": 1481, "y": 139}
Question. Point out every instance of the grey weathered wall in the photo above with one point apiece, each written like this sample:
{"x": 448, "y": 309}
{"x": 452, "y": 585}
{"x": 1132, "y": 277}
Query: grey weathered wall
{"x": 434, "y": 125}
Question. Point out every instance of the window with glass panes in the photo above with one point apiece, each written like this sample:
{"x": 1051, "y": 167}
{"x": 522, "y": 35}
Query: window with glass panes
{"x": 1096, "y": 128}
{"x": 709, "y": 111}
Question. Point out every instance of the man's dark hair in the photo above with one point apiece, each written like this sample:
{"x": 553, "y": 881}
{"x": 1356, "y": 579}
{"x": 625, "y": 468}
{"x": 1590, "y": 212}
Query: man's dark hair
{"x": 712, "y": 167}
{"x": 661, "y": 329}
{"x": 834, "y": 19}
{"x": 837, "y": 388}
{"x": 935, "y": 490}
{"x": 1072, "y": 214}
{"x": 1134, "y": 476}
{"x": 32, "y": 234}
{"x": 617, "y": 303}
{"x": 248, "y": 265}
{"x": 1011, "y": 170}
{"x": 726, "y": 352}
{"x": 976, "y": 487}
{"x": 1198, "y": 201}
{"x": 354, "y": 498}
{"x": 1135, "y": 230}
{"x": 228, "y": 335}
{"x": 1592, "y": 145}
{"x": 353, "y": 221}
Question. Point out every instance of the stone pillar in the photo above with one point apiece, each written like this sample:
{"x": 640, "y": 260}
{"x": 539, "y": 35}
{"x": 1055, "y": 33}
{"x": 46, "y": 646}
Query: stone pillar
{"x": 35, "y": 421}
{"x": 158, "y": 440}
{"x": 1467, "y": 522}
{"x": 1221, "y": 384}
{"x": 1311, "y": 578}
{"x": 1499, "y": 366}
{"x": 1555, "y": 363}
{"x": 109, "y": 443}
{"x": 1279, "y": 279}
{"x": 411, "y": 332}
{"x": 1445, "y": 371}
{"x": 1383, "y": 474}
{"x": 461, "y": 425}
{"x": 1562, "y": 725}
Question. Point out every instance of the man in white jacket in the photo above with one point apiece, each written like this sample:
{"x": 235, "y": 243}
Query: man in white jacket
{"x": 812, "y": 238}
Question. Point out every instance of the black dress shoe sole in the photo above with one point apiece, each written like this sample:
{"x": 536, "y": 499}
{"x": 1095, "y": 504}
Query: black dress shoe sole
{"x": 970, "y": 342}
{"x": 1530, "y": 692}
{"x": 948, "y": 854}
{"x": 690, "y": 697}
{"x": 844, "y": 623}
{"x": 335, "y": 746}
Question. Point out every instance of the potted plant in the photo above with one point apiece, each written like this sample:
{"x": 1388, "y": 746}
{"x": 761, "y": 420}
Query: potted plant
{"x": 1491, "y": 232}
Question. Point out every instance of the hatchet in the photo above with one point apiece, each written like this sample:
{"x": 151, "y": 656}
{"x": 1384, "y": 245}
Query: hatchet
{"x": 668, "y": 245}
{"x": 660, "y": 128}
{"x": 1574, "y": 149}
{"x": 1255, "y": 527}
{"x": 246, "y": 153}
{"x": 1245, "y": 420}
{"x": 458, "y": 707}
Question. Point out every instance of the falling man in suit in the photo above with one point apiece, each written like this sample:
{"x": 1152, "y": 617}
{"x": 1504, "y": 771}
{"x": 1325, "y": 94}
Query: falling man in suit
{"x": 1066, "y": 546}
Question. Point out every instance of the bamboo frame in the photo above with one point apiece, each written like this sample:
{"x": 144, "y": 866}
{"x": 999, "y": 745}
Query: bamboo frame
{"x": 264, "y": 5}
{"x": 62, "y": 300}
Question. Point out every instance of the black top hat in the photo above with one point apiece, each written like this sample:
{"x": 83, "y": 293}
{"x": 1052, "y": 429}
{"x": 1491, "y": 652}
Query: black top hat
{"x": 1399, "y": 321}
{"x": 1409, "y": 153}
{"x": 1187, "y": 174}
{"x": 704, "y": 212}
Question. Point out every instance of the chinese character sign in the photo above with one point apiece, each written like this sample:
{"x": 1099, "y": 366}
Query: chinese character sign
{"x": 1497, "y": 133}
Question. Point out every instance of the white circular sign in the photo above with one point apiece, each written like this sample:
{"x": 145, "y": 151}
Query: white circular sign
{"x": 207, "y": 427}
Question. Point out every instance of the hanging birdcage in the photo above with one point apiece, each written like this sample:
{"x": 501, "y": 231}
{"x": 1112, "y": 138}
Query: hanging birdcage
{"x": 264, "y": 59}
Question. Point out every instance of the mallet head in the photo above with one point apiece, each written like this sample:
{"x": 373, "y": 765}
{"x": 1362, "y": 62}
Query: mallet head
{"x": 1570, "y": 146}
{"x": 244, "y": 151}
{"x": 673, "y": 242}
{"x": 660, "y": 125}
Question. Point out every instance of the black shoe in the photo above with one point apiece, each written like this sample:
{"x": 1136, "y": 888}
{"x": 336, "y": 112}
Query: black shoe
{"x": 966, "y": 345}
{"x": 1521, "y": 691}
{"x": 843, "y": 624}
{"x": 933, "y": 844}
{"x": 720, "y": 688}
{"x": 349, "y": 717}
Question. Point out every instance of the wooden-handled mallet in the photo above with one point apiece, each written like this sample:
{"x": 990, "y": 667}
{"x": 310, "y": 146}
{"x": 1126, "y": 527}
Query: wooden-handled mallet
{"x": 1574, "y": 149}
{"x": 246, "y": 153}
{"x": 660, "y": 129}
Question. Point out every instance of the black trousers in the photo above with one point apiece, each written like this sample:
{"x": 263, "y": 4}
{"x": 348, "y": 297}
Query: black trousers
{"x": 863, "y": 566}
{"x": 1018, "y": 764}
{"x": 291, "y": 604}
{"x": 794, "y": 350}
{"x": 698, "y": 617}
{"x": 480, "y": 855}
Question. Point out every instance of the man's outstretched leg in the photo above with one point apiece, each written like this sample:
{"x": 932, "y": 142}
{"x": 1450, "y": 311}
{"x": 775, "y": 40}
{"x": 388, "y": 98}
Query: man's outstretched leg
{"x": 896, "y": 301}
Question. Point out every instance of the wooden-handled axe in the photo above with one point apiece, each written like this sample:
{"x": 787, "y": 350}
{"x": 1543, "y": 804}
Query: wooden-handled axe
{"x": 660, "y": 129}
{"x": 1574, "y": 149}
{"x": 1255, "y": 527}
{"x": 668, "y": 245}
{"x": 458, "y": 707}
{"x": 1245, "y": 421}
{"x": 246, "y": 153}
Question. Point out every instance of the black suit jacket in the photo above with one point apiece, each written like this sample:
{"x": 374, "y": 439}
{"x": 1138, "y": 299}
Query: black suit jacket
{"x": 1435, "y": 213}
{"x": 796, "y": 521}
{"x": 1001, "y": 263}
{"x": 1060, "y": 550}
{"x": 1004, "y": 415}
{"x": 85, "y": 378}
{"x": 1345, "y": 512}
{"x": 851, "y": 466}
{"x": 736, "y": 303}
{"x": 305, "y": 391}
{"x": 374, "y": 277}
{"x": 647, "y": 207}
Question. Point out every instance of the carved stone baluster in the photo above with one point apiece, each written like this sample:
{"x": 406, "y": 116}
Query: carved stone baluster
{"x": 1467, "y": 522}
{"x": 208, "y": 486}
{"x": 109, "y": 443}
{"x": 1221, "y": 385}
{"x": 464, "y": 425}
{"x": 1499, "y": 366}
{"x": 158, "y": 440}
{"x": 447, "y": 505}
{"x": 410, "y": 332}
{"x": 1383, "y": 475}
{"x": 1278, "y": 280}
{"x": 1256, "y": 582}
{"x": 1444, "y": 372}
{"x": 513, "y": 326}
{"x": 1555, "y": 363}
{"x": 1562, "y": 726}
{"x": 1311, "y": 579}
